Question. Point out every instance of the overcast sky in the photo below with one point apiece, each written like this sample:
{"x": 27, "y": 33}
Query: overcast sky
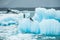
{"x": 29, "y": 3}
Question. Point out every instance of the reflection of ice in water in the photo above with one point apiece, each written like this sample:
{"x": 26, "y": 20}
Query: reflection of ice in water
{"x": 50, "y": 27}
{"x": 49, "y": 14}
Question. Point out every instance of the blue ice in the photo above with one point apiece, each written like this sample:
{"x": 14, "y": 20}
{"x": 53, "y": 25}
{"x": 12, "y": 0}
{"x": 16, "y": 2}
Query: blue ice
{"x": 28, "y": 26}
{"x": 24, "y": 25}
{"x": 35, "y": 28}
{"x": 57, "y": 15}
{"x": 50, "y": 27}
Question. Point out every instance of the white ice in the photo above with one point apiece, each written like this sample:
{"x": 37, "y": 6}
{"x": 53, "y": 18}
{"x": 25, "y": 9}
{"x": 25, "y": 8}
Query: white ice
{"x": 42, "y": 13}
{"x": 21, "y": 37}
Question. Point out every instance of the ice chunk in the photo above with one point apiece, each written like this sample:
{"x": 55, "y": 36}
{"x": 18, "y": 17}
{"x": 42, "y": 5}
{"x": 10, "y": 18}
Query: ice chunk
{"x": 49, "y": 14}
{"x": 8, "y": 22}
{"x": 50, "y": 27}
{"x": 28, "y": 26}
{"x": 57, "y": 15}
{"x": 12, "y": 11}
{"x": 3, "y": 16}
{"x": 24, "y": 25}
{"x": 42, "y": 13}
{"x": 35, "y": 27}
{"x": 16, "y": 11}
{"x": 21, "y": 37}
{"x": 39, "y": 12}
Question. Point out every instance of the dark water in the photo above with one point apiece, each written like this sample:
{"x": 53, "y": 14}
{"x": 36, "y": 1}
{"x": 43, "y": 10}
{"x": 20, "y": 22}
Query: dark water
{"x": 29, "y": 9}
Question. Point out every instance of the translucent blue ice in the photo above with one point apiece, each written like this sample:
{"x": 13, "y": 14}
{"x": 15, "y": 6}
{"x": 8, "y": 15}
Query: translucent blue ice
{"x": 35, "y": 28}
{"x": 24, "y": 25}
{"x": 57, "y": 15}
{"x": 28, "y": 26}
{"x": 50, "y": 27}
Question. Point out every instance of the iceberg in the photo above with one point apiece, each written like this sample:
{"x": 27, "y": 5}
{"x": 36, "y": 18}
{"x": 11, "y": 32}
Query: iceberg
{"x": 49, "y": 14}
{"x": 39, "y": 12}
{"x": 57, "y": 15}
{"x": 50, "y": 27}
{"x": 28, "y": 26}
{"x": 42, "y": 13}
{"x": 24, "y": 25}
{"x": 35, "y": 28}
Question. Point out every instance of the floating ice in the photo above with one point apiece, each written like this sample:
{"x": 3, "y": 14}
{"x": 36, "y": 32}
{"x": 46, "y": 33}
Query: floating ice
{"x": 24, "y": 25}
{"x": 35, "y": 27}
{"x": 28, "y": 26}
{"x": 21, "y": 37}
{"x": 42, "y": 13}
{"x": 16, "y": 11}
{"x": 39, "y": 12}
{"x": 8, "y": 24}
{"x": 49, "y": 14}
{"x": 57, "y": 15}
{"x": 49, "y": 27}
{"x": 4, "y": 16}
{"x": 12, "y": 11}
